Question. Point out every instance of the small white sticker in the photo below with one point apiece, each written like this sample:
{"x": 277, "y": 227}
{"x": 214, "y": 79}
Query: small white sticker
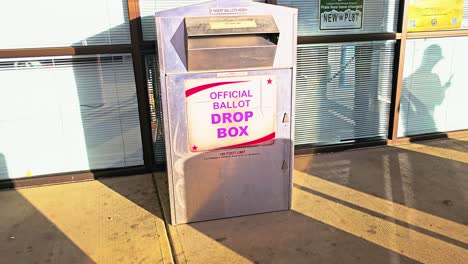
{"x": 228, "y": 10}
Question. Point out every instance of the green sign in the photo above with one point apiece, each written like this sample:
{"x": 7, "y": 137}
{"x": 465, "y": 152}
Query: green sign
{"x": 341, "y": 14}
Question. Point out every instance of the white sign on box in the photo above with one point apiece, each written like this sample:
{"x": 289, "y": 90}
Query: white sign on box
{"x": 230, "y": 112}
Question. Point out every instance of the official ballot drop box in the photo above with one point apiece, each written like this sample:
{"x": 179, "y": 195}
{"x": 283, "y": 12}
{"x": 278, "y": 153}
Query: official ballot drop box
{"x": 227, "y": 79}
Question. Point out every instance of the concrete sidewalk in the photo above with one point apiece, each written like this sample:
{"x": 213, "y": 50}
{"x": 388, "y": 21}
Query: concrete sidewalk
{"x": 115, "y": 220}
{"x": 405, "y": 204}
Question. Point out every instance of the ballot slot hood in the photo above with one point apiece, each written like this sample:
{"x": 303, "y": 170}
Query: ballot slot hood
{"x": 230, "y": 42}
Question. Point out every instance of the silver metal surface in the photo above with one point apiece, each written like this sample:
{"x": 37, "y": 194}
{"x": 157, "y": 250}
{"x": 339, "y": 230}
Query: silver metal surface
{"x": 229, "y": 52}
{"x": 171, "y": 32}
{"x": 206, "y": 188}
{"x": 230, "y": 42}
{"x": 217, "y": 42}
{"x": 201, "y": 186}
{"x": 230, "y": 25}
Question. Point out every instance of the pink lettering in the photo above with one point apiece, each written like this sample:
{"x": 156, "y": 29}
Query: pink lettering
{"x": 233, "y": 132}
{"x": 227, "y": 118}
{"x": 222, "y": 133}
{"x": 215, "y": 119}
{"x": 248, "y": 115}
{"x": 243, "y": 131}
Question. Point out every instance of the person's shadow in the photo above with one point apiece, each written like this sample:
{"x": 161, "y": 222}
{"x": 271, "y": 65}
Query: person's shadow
{"x": 422, "y": 93}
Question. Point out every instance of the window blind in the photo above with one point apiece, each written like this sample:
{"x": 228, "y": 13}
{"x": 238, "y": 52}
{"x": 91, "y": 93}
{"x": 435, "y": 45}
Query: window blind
{"x": 157, "y": 124}
{"x": 465, "y": 15}
{"x": 58, "y": 23}
{"x": 65, "y": 114}
{"x": 343, "y": 92}
{"x": 434, "y": 86}
{"x": 379, "y": 16}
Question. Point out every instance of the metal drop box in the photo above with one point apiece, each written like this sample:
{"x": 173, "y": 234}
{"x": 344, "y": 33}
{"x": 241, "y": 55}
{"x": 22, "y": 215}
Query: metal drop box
{"x": 230, "y": 42}
{"x": 227, "y": 76}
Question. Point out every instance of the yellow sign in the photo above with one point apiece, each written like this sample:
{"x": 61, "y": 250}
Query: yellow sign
{"x": 233, "y": 24}
{"x": 430, "y": 15}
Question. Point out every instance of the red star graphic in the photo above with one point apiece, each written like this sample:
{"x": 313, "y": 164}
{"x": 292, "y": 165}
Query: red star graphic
{"x": 270, "y": 81}
{"x": 194, "y": 148}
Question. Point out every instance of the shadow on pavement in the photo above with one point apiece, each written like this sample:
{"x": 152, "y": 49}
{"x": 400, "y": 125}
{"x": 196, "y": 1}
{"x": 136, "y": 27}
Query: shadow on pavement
{"x": 27, "y": 236}
{"x": 113, "y": 220}
{"x": 412, "y": 177}
{"x": 140, "y": 192}
{"x": 385, "y": 205}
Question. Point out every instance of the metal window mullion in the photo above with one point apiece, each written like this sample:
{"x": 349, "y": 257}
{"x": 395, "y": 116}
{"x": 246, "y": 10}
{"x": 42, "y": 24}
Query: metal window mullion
{"x": 141, "y": 83}
{"x": 399, "y": 72}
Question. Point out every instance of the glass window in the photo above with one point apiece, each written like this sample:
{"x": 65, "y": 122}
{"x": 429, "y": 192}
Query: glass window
{"x": 434, "y": 86}
{"x": 58, "y": 23}
{"x": 378, "y": 16}
{"x": 65, "y": 114}
{"x": 343, "y": 92}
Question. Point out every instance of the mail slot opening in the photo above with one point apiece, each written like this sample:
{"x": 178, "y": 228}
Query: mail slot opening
{"x": 230, "y": 42}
